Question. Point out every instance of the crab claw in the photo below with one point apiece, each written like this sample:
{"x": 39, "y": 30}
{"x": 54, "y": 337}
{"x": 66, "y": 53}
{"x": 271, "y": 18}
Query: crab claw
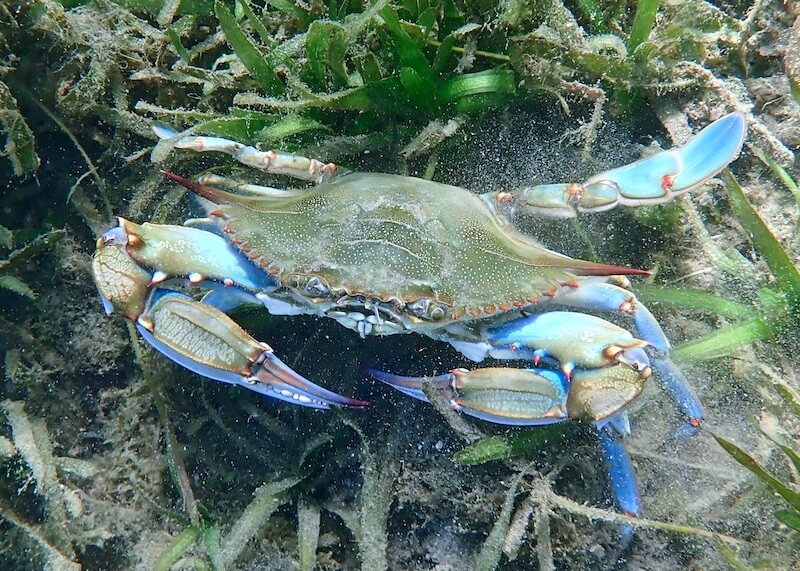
{"x": 206, "y": 341}
{"x": 522, "y": 397}
{"x": 528, "y": 397}
{"x": 574, "y": 339}
{"x": 601, "y": 394}
{"x": 653, "y": 180}
{"x": 122, "y": 284}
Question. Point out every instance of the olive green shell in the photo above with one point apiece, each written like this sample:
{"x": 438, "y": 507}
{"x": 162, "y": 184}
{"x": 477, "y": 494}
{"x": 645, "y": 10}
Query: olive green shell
{"x": 393, "y": 237}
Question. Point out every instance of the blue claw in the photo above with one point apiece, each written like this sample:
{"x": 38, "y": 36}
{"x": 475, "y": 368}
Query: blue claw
{"x": 660, "y": 177}
{"x": 710, "y": 151}
{"x": 515, "y": 397}
{"x": 574, "y": 339}
{"x": 205, "y": 341}
{"x": 654, "y": 180}
{"x": 604, "y": 296}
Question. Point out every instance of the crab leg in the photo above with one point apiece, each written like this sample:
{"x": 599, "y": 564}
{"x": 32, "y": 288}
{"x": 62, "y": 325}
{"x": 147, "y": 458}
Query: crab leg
{"x": 653, "y": 180}
{"x": 528, "y": 397}
{"x": 194, "y": 334}
{"x": 620, "y": 472}
{"x": 522, "y": 397}
{"x": 624, "y": 488}
{"x": 209, "y": 343}
{"x": 574, "y": 339}
{"x": 600, "y": 295}
{"x": 225, "y": 182}
{"x": 273, "y": 162}
{"x": 604, "y": 296}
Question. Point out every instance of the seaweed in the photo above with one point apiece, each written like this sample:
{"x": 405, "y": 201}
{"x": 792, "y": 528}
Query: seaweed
{"x": 32, "y": 442}
{"x": 22, "y": 255}
{"x": 308, "y": 523}
{"x": 20, "y": 146}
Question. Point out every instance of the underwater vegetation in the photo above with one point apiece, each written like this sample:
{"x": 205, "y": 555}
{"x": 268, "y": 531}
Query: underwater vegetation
{"x": 112, "y": 458}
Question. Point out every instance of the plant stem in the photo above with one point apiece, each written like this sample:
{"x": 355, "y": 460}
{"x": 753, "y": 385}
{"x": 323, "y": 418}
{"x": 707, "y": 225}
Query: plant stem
{"x": 176, "y": 463}
{"x": 485, "y": 55}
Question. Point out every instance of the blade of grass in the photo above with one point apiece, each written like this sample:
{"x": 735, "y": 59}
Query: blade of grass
{"x": 515, "y": 444}
{"x": 19, "y": 287}
{"x": 768, "y": 247}
{"x": 743, "y": 458}
{"x": 491, "y": 81}
{"x": 266, "y": 499}
{"x": 288, "y": 126}
{"x": 22, "y": 255}
{"x": 729, "y": 555}
{"x": 290, "y": 8}
{"x": 175, "y": 40}
{"x": 101, "y": 185}
{"x": 386, "y": 96}
{"x": 724, "y": 342}
{"x": 211, "y": 539}
{"x": 243, "y": 129}
{"x": 177, "y": 548}
{"x": 20, "y": 147}
{"x": 443, "y": 54}
{"x": 308, "y": 516}
{"x": 788, "y": 396}
{"x": 175, "y": 462}
{"x": 791, "y": 454}
{"x": 790, "y": 518}
{"x": 477, "y": 91}
{"x": 56, "y": 559}
{"x": 693, "y": 299}
{"x": 249, "y": 55}
{"x": 779, "y": 172}
{"x": 643, "y": 22}
{"x": 590, "y": 10}
{"x": 417, "y": 88}
{"x": 492, "y": 548}
{"x": 407, "y": 51}
{"x": 257, "y": 24}
{"x": 326, "y": 46}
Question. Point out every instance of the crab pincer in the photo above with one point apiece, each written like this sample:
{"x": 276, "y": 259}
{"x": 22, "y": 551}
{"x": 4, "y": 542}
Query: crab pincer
{"x": 501, "y": 395}
{"x": 535, "y": 397}
{"x": 208, "y": 342}
{"x": 194, "y": 334}
{"x": 574, "y": 339}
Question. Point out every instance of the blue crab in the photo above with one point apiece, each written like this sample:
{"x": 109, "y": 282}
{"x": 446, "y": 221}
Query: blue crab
{"x": 385, "y": 254}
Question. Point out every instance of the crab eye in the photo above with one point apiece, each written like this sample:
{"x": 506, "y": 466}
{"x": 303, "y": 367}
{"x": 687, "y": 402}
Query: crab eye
{"x": 317, "y": 287}
{"x": 419, "y": 308}
{"x": 437, "y": 313}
